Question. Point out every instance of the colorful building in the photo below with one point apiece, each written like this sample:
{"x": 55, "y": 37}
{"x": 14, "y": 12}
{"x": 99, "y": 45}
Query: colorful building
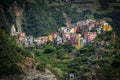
{"x": 57, "y": 41}
{"x": 72, "y": 40}
{"x": 54, "y": 34}
{"x": 107, "y": 27}
{"x": 83, "y": 42}
{"x": 29, "y": 41}
{"x": 78, "y": 41}
{"x": 13, "y": 30}
{"x": 21, "y": 36}
{"x": 66, "y": 36}
{"x": 90, "y": 36}
{"x": 50, "y": 38}
{"x": 72, "y": 30}
{"x": 41, "y": 40}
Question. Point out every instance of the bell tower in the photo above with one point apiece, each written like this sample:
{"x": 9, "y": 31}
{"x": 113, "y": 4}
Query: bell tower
{"x": 13, "y": 30}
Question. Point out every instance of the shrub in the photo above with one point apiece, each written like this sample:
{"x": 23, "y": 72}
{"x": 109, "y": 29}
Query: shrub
{"x": 37, "y": 53}
{"x": 40, "y": 67}
{"x": 61, "y": 54}
{"x": 49, "y": 50}
{"x": 11, "y": 69}
{"x": 16, "y": 69}
{"x": 4, "y": 69}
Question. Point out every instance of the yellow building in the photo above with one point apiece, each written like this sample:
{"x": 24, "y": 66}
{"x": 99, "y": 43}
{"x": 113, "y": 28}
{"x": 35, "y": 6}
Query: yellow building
{"x": 50, "y": 38}
{"x": 78, "y": 41}
{"x": 107, "y": 27}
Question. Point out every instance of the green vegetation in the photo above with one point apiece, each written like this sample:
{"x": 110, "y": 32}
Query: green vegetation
{"x": 49, "y": 49}
{"x": 9, "y": 54}
{"x": 55, "y": 58}
{"x": 64, "y": 59}
{"x": 40, "y": 67}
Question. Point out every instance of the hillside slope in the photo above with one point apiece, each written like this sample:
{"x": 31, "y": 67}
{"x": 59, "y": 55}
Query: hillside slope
{"x": 41, "y": 17}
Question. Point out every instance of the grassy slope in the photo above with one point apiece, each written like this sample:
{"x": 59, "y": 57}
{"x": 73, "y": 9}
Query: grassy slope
{"x": 83, "y": 62}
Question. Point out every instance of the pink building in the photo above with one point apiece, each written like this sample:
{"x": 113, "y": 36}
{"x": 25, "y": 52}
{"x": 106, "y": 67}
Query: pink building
{"x": 90, "y": 36}
{"x": 72, "y": 40}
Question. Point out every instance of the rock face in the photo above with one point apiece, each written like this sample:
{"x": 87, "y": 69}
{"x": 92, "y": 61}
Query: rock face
{"x": 36, "y": 75}
{"x": 17, "y": 11}
{"x": 32, "y": 74}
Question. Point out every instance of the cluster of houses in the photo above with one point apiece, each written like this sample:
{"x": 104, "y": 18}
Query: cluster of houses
{"x": 78, "y": 34}
{"x": 21, "y": 38}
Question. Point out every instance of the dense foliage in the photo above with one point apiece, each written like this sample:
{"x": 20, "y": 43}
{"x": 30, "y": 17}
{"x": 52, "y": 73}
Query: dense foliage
{"x": 10, "y": 55}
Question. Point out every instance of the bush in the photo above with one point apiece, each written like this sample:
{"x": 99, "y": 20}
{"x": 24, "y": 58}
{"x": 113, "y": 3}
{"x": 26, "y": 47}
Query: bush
{"x": 67, "y": 47}
{"x": 10, "y": 69}
{"x": 37, "y": 53}
{"x": 61, "y": 54}
{"x": 16, "y": 69}
{"x": 49, "y": 50}
{"x": 40, "y": 67}
{"x": 4, "y": 69}
{"x": 83, "y": 50}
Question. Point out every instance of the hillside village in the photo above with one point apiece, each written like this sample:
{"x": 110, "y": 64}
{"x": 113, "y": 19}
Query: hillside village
{"x": 78, "y": 34}
{"x": 60, "y": 40}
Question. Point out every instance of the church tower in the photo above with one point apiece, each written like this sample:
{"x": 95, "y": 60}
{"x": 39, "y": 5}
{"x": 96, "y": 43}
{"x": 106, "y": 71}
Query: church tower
{"x": 13, "y": 30}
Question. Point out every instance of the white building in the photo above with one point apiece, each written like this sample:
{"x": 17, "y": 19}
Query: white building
{"x": 13, "y": 30}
